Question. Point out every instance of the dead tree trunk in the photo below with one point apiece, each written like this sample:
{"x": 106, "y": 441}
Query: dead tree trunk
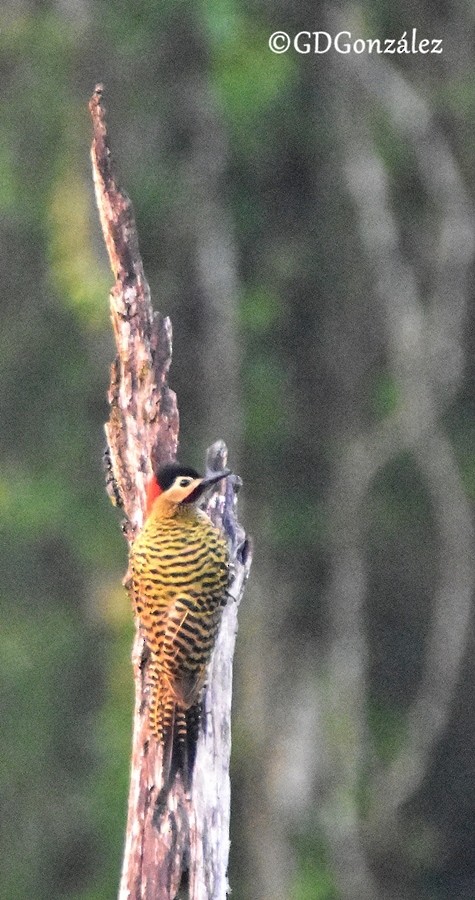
{"x": 176, "y": 845}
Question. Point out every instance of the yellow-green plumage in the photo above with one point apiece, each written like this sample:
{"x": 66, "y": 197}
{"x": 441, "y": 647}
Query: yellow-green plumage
{"x": 180, "y": 573}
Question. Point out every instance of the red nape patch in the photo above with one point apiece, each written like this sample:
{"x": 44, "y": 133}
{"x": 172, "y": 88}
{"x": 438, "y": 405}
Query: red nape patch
{"x": 153, "y": 491}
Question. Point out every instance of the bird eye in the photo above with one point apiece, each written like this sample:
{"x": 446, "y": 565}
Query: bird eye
{"x": 184, "y": 482}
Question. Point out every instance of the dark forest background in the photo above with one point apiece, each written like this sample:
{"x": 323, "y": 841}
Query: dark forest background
{"x": 306, "y": 221}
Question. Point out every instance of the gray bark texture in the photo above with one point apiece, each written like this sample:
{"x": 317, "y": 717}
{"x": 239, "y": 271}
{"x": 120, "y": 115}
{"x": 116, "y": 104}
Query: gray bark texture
{"x": 177, "y": 844}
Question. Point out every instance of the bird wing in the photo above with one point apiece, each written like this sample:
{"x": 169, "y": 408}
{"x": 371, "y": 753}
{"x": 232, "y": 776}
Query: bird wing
{"x": 188, "y": 640}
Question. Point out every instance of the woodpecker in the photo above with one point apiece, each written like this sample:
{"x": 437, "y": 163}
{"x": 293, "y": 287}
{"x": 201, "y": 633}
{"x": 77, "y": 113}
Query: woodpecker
{"x": 179, "y": 567}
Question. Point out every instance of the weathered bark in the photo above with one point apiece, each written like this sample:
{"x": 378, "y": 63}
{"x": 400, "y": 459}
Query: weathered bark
{"x": 176, "y": 845}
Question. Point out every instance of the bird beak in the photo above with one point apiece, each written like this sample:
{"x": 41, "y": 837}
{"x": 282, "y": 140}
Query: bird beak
{"x": 205, "y": 483}
{"x": 213, "y": 477}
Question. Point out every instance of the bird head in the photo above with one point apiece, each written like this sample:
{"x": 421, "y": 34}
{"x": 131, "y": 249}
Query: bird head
{"x": 180, "y": 484}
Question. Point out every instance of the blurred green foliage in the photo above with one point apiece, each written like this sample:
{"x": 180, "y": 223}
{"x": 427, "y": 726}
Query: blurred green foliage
{"x": 314, "y": 880}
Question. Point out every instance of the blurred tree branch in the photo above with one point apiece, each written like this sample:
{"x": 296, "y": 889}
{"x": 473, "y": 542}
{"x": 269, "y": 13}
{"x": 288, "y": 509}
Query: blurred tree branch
{"x": 206, "y": 226}
{"x": 174, "y": 842}
{"x": 424, "y": 346}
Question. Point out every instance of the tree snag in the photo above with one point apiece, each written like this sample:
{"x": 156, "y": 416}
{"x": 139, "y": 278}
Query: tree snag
{"x": 176, "y": 845}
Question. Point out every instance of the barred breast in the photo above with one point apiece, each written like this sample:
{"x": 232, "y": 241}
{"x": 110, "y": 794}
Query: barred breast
{"x": 180, "y": 575}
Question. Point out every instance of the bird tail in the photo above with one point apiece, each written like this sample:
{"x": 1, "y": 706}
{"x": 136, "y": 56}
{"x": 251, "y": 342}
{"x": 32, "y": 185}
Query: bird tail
{"x": 177, "y": 730}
